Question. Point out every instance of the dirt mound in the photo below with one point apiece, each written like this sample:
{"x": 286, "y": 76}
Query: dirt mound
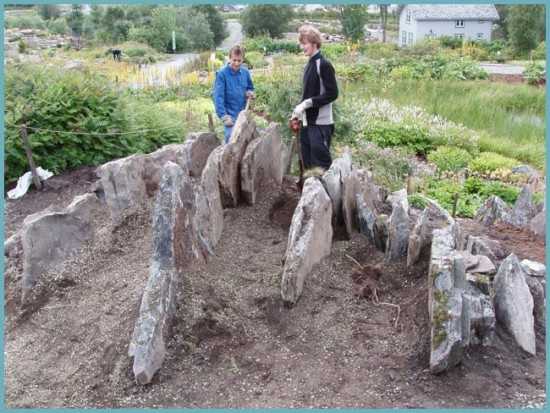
{"x": 234, "y": 342}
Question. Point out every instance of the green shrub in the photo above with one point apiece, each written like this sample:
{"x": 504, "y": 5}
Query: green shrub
{"x": 417, "y": 201}
{"x": 135, "y": 52}
{"x": 58, "y": 26}
{"x": 402, "y": 73}
{"x": 80, "y": 119}
{"x": 444, "y": 191}
{"x": 267, "y": 45}
{"x": 463, "y": 69}
{"x": 448, "y": 158}
{"x": 388, "y": 125}
{"x": 390, "y": 167}
{"x": 539, "y": 53}
{"x": 354, "y": 72}
{"x": 333, "y": 51}
{"x": 488, "y": 162}
{"x": 535, "y": 73}
{"x": 255, "y": 60}
{"x": 32, "y": 21}
{"x": 450, "y": 42}
{"x": 22, "y": 46}
{"x": 378, "y": 50}
{"x": 386, "y": 134}
{"x": 278, "y": 93}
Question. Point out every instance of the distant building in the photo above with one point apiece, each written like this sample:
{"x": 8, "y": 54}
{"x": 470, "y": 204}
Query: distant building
{"x": 465, "y": 21}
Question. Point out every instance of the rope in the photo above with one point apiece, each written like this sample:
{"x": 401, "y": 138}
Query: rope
{"x": 96, "y": 133}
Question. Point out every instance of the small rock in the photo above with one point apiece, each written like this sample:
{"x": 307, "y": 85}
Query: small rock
{"x": 533, "y": 268}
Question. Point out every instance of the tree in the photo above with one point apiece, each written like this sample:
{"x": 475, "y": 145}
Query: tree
{"x": 266, "y": 20}
{"x": 526, "y": 27}
{"x": 75, "y": 20}
{"x": 215, "y": 20}
{"x": 353, "y": 19}
{"x": 383, "y": 20}
{"x": 49, "y": 11}
{"x": 196, "y": 28}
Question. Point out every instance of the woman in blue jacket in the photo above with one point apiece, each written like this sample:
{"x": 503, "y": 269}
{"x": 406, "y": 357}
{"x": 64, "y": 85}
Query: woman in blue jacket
{"x": 232, "y": 88}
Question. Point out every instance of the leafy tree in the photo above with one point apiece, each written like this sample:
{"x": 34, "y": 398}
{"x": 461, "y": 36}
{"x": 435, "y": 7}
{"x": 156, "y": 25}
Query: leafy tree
{"x": 215, "y": 20}
{"x": 353, "y": 19}
{"x": 525, "y": 27}
{"x": 383, "y": 20}
{"x": 75, "y": 20}
{"x": 49, "y": 11}
{"x": 96, "y": 15}
{"x": 196, "y": 28}
{"x": 266, "y": 20}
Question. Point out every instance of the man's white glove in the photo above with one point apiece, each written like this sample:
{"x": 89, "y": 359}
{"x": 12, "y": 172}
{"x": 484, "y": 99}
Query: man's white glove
{"x": 227, "y": 120}
{"x": 301, "y": 108}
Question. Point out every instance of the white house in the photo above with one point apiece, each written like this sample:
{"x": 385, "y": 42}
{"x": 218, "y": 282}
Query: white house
{"x": 466, "y": 21}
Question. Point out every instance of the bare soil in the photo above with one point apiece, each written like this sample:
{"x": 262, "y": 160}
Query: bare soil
{"x": 234, "y": 342}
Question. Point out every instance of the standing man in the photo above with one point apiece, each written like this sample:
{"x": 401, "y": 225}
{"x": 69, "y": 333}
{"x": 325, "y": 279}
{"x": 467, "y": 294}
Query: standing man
{"x": 315, "y": 111}
{"x": 232, "y": 88}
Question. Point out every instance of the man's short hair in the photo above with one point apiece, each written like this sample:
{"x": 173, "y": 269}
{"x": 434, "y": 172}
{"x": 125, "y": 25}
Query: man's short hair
{"x": 308, "y": 33}
{"x": 237, "y": 51}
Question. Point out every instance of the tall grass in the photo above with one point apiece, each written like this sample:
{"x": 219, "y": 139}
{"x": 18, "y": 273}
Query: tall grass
{"x": 509, "y": 117}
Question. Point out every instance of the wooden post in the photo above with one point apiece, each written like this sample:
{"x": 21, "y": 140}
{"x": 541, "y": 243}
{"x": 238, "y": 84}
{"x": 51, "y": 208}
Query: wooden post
{"x": 28, "y": 151}
{"x": 409, "y": 183}
{"x": 210, "y": 123}
{"x": 455, "y": 203}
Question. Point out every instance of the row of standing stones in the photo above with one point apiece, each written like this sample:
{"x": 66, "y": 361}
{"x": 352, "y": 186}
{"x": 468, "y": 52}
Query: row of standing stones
{"x": 190, "y": 184}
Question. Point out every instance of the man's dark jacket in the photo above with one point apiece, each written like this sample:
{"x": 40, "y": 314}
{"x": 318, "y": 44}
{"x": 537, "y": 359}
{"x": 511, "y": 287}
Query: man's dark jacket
{"x": 321, "y": 91}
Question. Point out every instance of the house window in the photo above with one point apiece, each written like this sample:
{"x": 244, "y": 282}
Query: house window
{"x": 408, "y": 16}
{"x": 480, "y": 35}
{"x": 459, "y": 23}
{"x": 404, "y": 38}
{"x": 459, "y": 35}
{"x": 410, "y": 38}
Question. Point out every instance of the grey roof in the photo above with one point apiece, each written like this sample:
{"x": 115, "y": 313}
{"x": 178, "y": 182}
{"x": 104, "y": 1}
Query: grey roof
{"x": 453, "y": 11}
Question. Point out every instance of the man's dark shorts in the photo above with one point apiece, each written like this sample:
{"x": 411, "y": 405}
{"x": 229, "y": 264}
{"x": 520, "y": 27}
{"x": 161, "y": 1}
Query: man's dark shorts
{"x": 315, "y": 143}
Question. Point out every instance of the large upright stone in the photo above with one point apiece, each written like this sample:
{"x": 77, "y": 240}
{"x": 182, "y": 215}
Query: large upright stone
{"x": 123, "y": 185}
{"x": 447, "y": 279}
{"x": 130, "y": 183}
{"x": 12, "y": 246}
{"x": 493, "y": 210}
{"x": 433, "y": 217}
{"x": 196, "y": 150}
{"x": 50, "y": 237}
{"x": 213, "y": 214}
{"x": 479, "y": 316}
{"x": 538, "y": 223}
{"x": 309, "y": 239}
{"x": 229, "y": 174}
{"x": 175, "y": 245}
{"x": 366, "y": 217}
{"x": 514, "y": 303}
{"x": 487, "y": 247}
{"x": 350, "y": 188}
{"x": 524, "y": 208}
{"x": 539, "y": 300}
{"x": 399, "y": 198}
{"x": 261, "y": 163}
{"x": 398, "y": 226}
{"x": 332, "y": 180}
